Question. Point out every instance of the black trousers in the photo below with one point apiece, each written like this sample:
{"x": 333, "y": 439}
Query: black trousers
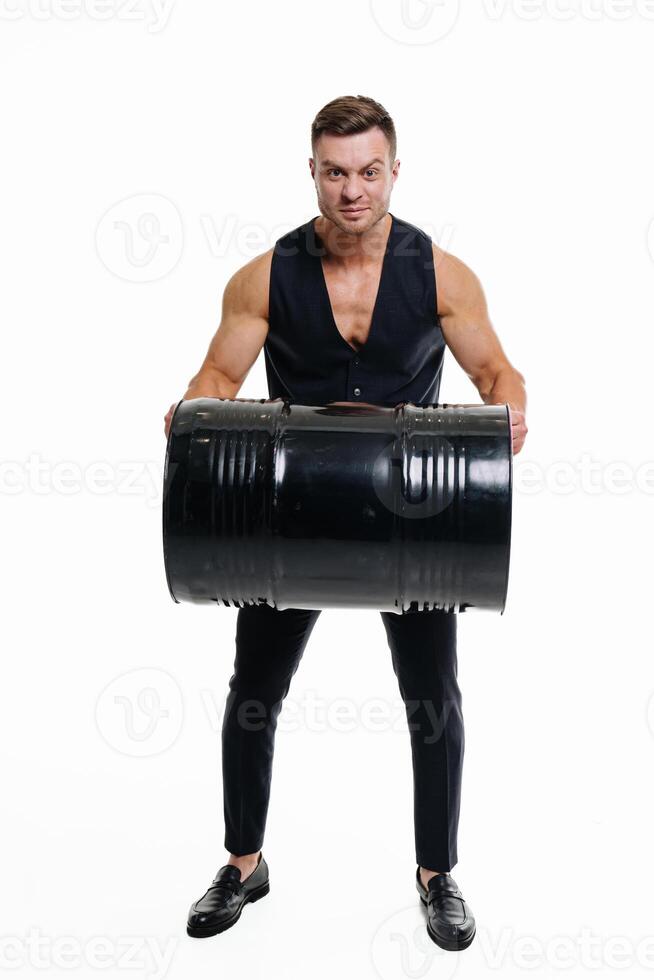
{"x": 269, "y": 645}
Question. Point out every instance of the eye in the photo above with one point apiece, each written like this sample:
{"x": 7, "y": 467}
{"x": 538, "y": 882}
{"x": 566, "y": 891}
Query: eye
{"x": 334, "y": 170}
{"x": 373, "y": 172}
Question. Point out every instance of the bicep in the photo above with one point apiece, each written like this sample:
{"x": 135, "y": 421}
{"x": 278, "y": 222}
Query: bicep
{"x": 244, "y": 322}
{"x": 465, "y": 321}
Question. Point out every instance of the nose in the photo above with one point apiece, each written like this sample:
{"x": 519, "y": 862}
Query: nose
{"x": 352, "y": 190}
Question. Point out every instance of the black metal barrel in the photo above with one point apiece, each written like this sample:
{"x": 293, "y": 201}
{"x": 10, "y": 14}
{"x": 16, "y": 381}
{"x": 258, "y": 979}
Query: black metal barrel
{"x": 345, "y": 505}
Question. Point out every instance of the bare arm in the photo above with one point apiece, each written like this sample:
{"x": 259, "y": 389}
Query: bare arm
{"x": 238, "y": 340}
{"x": 476, "y": 347}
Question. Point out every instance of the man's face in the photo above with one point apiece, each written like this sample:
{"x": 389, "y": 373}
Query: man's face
{"x": 354, "y": 178}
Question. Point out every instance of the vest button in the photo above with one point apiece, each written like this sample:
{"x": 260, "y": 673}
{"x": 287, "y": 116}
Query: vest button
{"x": 357, "y": 391}
{"x": 356, "y": 361}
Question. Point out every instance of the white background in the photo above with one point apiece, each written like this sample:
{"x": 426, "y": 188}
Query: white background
{"x": 525, "y": 140}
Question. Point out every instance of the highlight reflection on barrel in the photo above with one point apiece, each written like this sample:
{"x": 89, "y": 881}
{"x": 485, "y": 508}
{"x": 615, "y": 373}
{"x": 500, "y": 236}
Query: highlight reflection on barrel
{"x": 344, "y": 505}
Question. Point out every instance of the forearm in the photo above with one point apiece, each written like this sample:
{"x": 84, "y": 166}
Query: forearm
{"x": 507, "y": 388}
{"x": 208, "y": 383}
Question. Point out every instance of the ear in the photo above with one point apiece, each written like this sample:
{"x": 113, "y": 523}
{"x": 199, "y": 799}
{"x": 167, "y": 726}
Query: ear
{"x": 311, "y": 166}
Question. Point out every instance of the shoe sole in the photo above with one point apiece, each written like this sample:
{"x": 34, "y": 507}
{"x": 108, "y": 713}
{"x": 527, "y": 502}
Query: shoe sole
{"x": 201, "y": 932}
{"x": 443, "y": 943}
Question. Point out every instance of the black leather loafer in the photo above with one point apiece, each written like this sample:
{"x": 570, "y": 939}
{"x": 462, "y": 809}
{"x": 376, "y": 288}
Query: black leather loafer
{"x": 450, "y": 923}
{"x": 221, "y": 905}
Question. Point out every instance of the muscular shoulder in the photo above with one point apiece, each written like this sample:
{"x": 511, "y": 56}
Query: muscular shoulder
{"x": 247, "y": 290}
{"x": 457, "y": 285}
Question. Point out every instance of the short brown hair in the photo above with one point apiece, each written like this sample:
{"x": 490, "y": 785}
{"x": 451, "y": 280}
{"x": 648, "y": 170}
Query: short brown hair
{"x": 353, "y": 114}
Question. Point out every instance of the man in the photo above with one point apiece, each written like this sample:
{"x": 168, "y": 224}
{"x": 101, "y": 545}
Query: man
{"x": 356, "y": 304}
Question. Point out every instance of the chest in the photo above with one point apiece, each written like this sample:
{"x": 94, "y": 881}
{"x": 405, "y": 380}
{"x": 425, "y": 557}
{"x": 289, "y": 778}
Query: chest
{"x": 352, "y": 299}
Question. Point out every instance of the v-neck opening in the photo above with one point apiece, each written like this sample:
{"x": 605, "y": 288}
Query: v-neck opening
{"x": 355, "y": 350}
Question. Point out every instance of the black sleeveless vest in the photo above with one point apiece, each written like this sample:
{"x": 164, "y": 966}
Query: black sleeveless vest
{"x": 310, "y": 362}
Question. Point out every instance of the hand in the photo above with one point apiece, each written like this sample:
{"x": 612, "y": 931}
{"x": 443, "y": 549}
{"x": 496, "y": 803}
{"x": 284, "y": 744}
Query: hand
{"x": 518, "y": 429}
{"x": 168, "y": 418}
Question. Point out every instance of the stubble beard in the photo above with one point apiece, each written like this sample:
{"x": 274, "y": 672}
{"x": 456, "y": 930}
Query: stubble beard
{"x": 373, "y": 216}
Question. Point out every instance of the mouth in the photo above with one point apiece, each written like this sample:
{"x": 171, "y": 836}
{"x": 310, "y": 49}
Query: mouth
{"x": 354, "y": 210}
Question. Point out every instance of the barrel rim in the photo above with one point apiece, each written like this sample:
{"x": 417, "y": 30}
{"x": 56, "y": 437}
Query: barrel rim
{"x": 510, "y": 509}
{"x": 164, "y": 502}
